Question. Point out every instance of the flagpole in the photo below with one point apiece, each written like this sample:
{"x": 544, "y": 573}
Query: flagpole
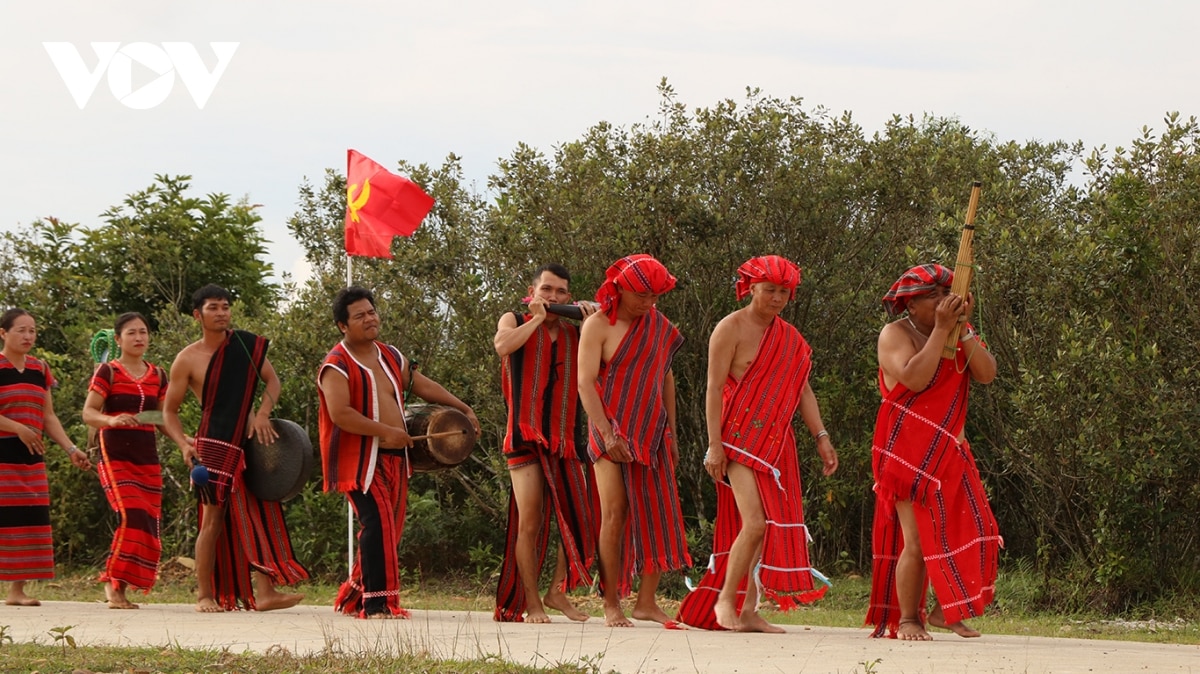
{"x": 349, "y": 507}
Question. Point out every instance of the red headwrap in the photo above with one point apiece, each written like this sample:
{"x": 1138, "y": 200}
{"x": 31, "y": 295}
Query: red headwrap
{"x": 639, "y": 273}
{"x": 767, "y": 269}
{"x": 915, "y": 282}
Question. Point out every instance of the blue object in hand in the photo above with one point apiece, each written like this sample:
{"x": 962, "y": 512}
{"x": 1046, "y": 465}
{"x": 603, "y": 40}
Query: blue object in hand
{"x": 199, "y": 475}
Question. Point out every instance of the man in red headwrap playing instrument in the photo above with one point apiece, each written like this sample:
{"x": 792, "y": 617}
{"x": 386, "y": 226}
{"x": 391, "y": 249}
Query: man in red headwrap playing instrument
{"x": 933, "y": 524}
{"x": 628, "y": 391}
{"x": 758, "y": 368}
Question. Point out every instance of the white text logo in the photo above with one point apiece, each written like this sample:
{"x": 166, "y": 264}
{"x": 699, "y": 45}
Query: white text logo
{"x": 163, "y": 61}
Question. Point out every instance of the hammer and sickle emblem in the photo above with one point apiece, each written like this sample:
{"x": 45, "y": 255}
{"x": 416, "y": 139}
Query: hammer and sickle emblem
{"x": 356, "y": 204}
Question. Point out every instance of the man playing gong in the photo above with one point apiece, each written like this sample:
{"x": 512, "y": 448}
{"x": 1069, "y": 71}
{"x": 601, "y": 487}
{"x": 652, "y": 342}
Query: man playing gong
{"x": 361, "y": 385}
{"x": 240, "y": 535}
{"x": 545, "y": 453}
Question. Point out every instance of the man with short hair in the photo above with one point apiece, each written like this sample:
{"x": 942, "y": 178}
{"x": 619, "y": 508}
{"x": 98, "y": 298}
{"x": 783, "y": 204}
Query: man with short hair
{"x": 758, "y": 368}
{"x": 626, "y": 386}
{"x": 543, "y": 447}
{"x": 240, "y": 536}
{"x": 364, "y": 438}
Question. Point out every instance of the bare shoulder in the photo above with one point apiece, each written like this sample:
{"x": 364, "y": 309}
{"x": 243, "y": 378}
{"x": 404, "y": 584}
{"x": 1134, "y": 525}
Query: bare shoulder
{"x": 593, "y": 326}
{"x": 189, "y": 359}
{"x": 894, "y": 337}
{"x": 507, "y": 320}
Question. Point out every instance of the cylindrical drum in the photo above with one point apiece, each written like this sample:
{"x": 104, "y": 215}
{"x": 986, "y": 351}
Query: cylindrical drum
{"x": 454, "y": 437}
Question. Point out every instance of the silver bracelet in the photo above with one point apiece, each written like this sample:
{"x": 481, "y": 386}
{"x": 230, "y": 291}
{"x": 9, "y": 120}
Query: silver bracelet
{"x": 822, "y": 434}
{"x": 72, "y": 449}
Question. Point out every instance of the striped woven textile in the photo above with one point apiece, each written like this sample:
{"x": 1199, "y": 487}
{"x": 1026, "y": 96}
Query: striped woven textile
{"x": 26, "y": 545}
{"x": 255, "y": 535}
{"x": 915, "y": 282}
{"x": 631, "y": 388}
{"x": 767, "y": 269}
{"x": 571, "y": 501}
{"x": 917, "y": 457}
{"x": 538, "y": 381}
{"x": 348, "y": 459}
{"x": 545, "y": 427}
{"x": 757, "y": 431}
{"x": 130, "y": 473}
{"x": 374, "y": 583}
{"x": 639, "y": 273}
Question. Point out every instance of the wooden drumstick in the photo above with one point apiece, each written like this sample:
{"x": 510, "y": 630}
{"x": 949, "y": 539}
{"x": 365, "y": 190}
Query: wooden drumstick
{"x": 442, "y": 434}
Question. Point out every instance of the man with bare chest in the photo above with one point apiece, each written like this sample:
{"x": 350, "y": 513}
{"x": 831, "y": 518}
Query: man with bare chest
{"x": 241, "y": 538}
{"x": 361, "y": 385}
{"x": 758, "y": 369}
{"x": 627, "y": 388}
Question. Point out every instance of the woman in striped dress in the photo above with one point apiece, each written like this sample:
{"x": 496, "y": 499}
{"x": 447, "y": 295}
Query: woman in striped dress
{"x": 129, "y": 468}
{"x": 26, "y": 412}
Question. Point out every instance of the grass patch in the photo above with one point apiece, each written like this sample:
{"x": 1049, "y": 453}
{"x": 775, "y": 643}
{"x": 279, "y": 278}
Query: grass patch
{"x": 101, "y": 659}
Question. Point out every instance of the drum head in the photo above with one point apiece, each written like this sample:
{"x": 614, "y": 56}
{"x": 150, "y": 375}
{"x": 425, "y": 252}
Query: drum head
{"x": 279, "y": 471}
{"x": 439, "y": 453}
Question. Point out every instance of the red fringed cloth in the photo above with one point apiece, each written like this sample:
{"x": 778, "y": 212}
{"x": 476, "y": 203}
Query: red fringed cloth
{"x": 255, "y": 535}
{"x": 353, "y": 463}
{"x": 388, "y": 501}
{"x": 631, "y": 388}
{"x": 756, "y": 429}
{"x": 26, "y": 544}
{"x": 538, "y": 381}
{"x": 130, "y": 473}
{"x": 348, "y": 460}
{"x": 539, "y": 387}
{"x": 917, "y": 457}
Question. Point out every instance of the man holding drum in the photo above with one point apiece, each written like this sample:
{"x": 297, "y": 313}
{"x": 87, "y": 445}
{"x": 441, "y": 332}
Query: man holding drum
{"x": 361, "y": 384}
{"x": 542, "y": 443}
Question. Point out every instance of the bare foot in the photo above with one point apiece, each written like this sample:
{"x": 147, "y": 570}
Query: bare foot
{"x": 652, "y": 612}
{"x": 911, "y": 629}
{"x": 536, "y": 616}
{"x": 615, "y": 617}
{"x": 273, "y": 601}
{"x": 23, "y": 600}
{"x": 559, "y": 602}
{"x": 727, "y": 616}
{"x": 753, "y": 622}
{"x": 208, "y": 605}
{"x": 960, "y": 628}
{"x": 116, "y": 598}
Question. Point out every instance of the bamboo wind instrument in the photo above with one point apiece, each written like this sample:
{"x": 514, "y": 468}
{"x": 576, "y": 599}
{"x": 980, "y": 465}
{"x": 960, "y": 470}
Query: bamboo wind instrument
{"x": 964, "y": 267}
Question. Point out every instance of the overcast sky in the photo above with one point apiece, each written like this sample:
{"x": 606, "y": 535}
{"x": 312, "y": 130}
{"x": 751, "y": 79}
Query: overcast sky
{"x": 416, "y": 81}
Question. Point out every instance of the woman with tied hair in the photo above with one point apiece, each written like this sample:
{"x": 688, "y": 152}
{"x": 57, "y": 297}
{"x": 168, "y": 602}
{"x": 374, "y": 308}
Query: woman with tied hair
{"x": 129, "y": 468}
{"x": 26, "y": 412}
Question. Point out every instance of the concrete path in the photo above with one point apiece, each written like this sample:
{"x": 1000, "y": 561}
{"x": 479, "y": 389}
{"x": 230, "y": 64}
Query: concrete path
{"x": 645, "y": 648}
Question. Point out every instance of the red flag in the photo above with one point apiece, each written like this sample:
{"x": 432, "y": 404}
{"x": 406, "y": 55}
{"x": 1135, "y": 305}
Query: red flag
{"x": 379, "y": 206}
